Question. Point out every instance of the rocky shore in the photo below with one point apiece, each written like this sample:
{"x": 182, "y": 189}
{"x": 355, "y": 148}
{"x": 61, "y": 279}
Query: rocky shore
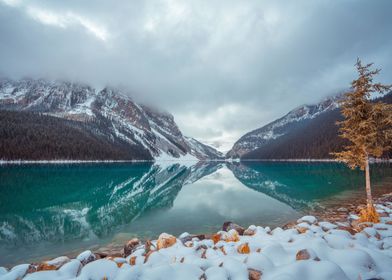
{"x": 335, "y": 245}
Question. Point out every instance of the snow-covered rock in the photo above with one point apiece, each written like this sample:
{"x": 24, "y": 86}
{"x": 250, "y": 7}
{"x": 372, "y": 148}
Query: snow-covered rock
{"x": 323, "y": 251}
{"x": 307, "y": 219}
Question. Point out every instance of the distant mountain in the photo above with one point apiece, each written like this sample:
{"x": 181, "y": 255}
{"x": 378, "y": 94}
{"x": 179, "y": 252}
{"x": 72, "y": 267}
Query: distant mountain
{"x": 309, "y": 131}
{"x": 107, "y": 120}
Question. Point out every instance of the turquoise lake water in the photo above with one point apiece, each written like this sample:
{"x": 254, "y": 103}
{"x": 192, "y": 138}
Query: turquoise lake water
{"x": 51, "y": 210}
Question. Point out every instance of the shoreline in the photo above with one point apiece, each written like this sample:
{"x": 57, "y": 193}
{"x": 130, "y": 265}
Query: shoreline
{"x": 337, "y": 223}
{"x": 21, "y": 162}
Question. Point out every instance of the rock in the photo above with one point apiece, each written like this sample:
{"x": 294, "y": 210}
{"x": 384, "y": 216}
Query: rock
{"x": 289, "y": 225}
{"x": 258, "y": 262}
{"x": 86, "y": 257}
{"x": 371, "y": 232}
{"x": 101, "y": 255}
{"x": 3, "y": 270}
{"x": 216, "y": 238}
{"x": 32, "y": 268}
{"x": 306, "y": 254}
{"x": 301, "y": 229}
{"x": 360, "y": 226}
{"x": 302, "y": 255}
{"x": 342, "y": 209}
{"x": 119, "y": 261}
{"x": 165, "y": 240}
{"x": 132, "y": 260}
{"x": 307, "y": 219}
{"x": 243, "y": 249}
{"x": 351, "y": 230}
{"x": 354, "y": 223}
{"x": 203, "y": 246}
{"x": 227, "y": 226}
{"x": 383, "y": 214}
{"x": 17, "y": 272}
{"x": 53, "y": 264}
{"x": 131, "y": 246}
{"x": 99, "y": 269}
{"x": 325, "y": 226}
{"x": 254, "y": 274}
{"x": 147, "y": 247}
{"x": 186, "y": 238}
{"x": 231, "y": 236}
{"x": 147, "y": 256}
{"x": 250, "y": 231}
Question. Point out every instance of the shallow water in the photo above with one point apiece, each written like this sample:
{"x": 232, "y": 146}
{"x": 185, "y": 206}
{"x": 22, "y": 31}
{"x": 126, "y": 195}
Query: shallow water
{"x": 51, "y": 210}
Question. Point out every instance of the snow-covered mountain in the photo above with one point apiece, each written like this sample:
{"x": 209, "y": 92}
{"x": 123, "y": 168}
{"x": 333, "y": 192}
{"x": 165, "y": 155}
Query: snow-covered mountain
{"x": 120, "y": 118}
{"x": 276, "y": 129}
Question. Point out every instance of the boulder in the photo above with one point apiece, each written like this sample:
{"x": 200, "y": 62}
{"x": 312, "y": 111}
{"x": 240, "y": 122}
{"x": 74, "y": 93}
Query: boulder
{"x": 250, "y": 231}
{"x": 307, "y": 219}
{"x": 243, "y": 248}
{"x": 132, "y": 260}
{"x": 186, "y": 238}
{"x": 216, "y": 238}
{"x": 227, "y": 226}
{"x": 254, "y": 274}
{"x": 306, "y": 254}
{"x": 165, "y": 240}
{"x": 230, "y": 236}
{"x": 86, "y": 257}
{"x": 130, "y": 246}
{"x": 302, "y": 255}
{"x": 351, "y": 230}
{"x": 301, "y": 229}
{"x": 53, "y": 264}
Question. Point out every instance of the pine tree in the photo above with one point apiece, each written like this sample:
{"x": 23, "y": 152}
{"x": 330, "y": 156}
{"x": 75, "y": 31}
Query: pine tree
{"x": 368, "y": 127}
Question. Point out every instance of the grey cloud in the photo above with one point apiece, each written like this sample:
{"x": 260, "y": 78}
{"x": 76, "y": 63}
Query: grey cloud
{"x": 221, "y": 67}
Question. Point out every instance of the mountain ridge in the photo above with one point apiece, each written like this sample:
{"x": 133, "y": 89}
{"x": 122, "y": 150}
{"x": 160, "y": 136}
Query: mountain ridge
{"x": 307, "y": 132}
{"x": 109, "y": 113}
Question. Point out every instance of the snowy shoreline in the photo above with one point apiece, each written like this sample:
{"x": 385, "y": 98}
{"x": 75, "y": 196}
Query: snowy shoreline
{"x": 306, "y": 249}
{"x": 16, "y": 162}
{"x": 5, "y": 162}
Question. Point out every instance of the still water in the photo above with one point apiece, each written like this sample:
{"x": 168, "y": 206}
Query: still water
{"x": 51, "y": 210}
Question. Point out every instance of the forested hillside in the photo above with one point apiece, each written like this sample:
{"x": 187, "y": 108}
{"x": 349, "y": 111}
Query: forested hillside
{"x": 34, "y": 136}
{"x": 309, "y": 139}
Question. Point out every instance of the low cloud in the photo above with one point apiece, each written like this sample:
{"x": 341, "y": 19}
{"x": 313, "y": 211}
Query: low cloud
{"x": 221, "y": 68}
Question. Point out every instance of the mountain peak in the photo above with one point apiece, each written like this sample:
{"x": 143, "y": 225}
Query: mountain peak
{"x": 110, "y": 113}
{"x": 259, "y": 137}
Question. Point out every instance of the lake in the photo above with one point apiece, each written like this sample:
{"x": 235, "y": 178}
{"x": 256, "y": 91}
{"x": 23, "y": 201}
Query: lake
{"x": 54, "y": 209}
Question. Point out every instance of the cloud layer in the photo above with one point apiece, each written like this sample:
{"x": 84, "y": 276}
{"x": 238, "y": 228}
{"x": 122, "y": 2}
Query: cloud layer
{"x": 221, "y": 67}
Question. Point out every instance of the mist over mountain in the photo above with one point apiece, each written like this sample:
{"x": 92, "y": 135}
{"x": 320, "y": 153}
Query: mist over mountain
{"x": 44, "y": 119}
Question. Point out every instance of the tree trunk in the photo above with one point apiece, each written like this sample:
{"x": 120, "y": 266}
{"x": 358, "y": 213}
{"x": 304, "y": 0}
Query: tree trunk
{"x": 368, "y": 188}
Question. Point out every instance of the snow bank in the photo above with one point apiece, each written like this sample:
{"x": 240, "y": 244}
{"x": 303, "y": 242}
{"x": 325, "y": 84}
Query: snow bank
{"x": 308, "y": 250}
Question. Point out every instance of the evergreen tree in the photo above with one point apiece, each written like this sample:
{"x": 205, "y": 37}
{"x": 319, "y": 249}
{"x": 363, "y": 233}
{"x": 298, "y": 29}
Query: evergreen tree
{"x": 367, "y": 126}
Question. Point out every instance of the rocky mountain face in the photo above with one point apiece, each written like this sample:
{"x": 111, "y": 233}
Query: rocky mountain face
{"x": 308, "y": 132}
{"x": 263, "y": 136}
{"x": 109, "y": 113}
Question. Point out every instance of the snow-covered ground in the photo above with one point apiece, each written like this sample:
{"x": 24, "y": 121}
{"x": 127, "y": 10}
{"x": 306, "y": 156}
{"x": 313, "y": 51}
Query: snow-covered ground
{"x": 311, "y": 249}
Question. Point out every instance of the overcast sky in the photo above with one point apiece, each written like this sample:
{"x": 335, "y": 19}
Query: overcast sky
{"x": 221, "y": 68}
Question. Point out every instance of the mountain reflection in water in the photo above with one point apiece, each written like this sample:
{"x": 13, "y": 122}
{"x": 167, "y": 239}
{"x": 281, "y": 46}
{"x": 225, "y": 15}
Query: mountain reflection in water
{"x": 59, "y": 207}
